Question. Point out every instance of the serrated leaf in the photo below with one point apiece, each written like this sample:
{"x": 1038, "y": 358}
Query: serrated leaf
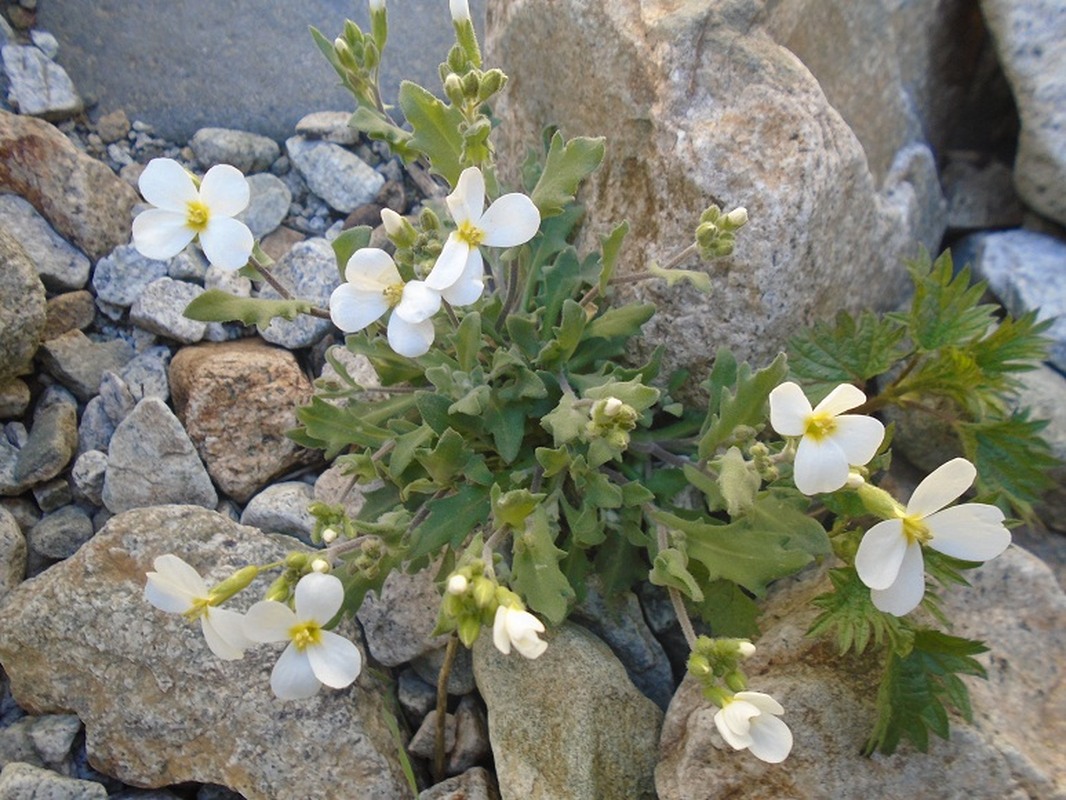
{"x": 566, "y": 166}
{"x": 535, "y": 571}
{"x": 215, "y": 305}
{"x": 945, "y": 309}
{"x": 435, "y": 130}
{"x": 611, "y": 246}
{"x": 370, "y": 122}
{"x": 849, "y": 616}
{"x": 738, "y": 480}
{"x": 335, "y": 428}
{"x": 450, "y": 520}
{"x": 737, "y": 397}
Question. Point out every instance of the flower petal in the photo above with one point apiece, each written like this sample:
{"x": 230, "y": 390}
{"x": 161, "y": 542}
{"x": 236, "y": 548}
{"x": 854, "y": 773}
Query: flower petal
{"x": 841, "y": 399}
{"x": 789, "y": 409}
{"x": 352, "y": 309}
{"x": 904, "y": 595}
{"x": 468, "y": 288}
{"x": 500, "y": 638}
{"x": 318, "y": 597}
{"x": 227, "y": 243}
{"x": 736, "y": 718}
{"x": 511, "y": 220}
{"x": 467, "y": 201}
{"x": 771, "y": 739}
{"x": 452, "y": 263}
{"x": 881, "y": 553}
{"x": 972, "y": 532}
{"x": 941, "y": 487}
{"x": 225, "y": 191}
{"x": 168, "y": 596}
{"x": 820, "y": 466}
{"x": 410, "y": 339}
{"x": 268, "y": 621}
{"x": 293, "y": 678}
{"x": 180, "y": 572}
{"x": 165, "y": 184}
{"x": 762, "y": 701}
{"x": 161, "y": 234}
{"x": 336, "y": 662}
{"x": 858, "y": 436}
{"x": 224, "y": 631}
{"x": 418, "y": 302}
{"x": 372, "y": 268}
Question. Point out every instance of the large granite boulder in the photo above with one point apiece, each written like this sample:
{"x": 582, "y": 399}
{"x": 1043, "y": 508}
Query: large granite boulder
{"x": 22, "y": 309}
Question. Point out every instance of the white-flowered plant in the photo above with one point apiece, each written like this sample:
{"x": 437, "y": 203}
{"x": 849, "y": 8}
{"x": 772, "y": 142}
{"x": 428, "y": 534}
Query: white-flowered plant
{"x": 830, "y": 441}
{"x": 187, "y": 209}
{"x": 516, "y": 627}
{"x": 511, "y": 220}
{"x": 314, "y": 656}
{"x": 177, "y": 588}
{"x": 373, "y": 287}
{"x": 890, "y": 560}
{"x": 751, "y": 721}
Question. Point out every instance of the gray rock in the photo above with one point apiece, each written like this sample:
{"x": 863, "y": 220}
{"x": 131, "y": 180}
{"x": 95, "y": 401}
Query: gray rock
{"x": 188, "y": 265}
{"x": 282, "y": 508}
{"x": 569, "y": 723}
{"x": 160, "y": 309}
{"x": 248, "y": 152}
{"x": 309, "y": 270}
{"x": 398, "y": 622}
{"x": 20, "y": 780}
{"x": 268, "y": 206}
{"x": 336, "y": 175}
{"x": 12, "y": 553}
{"x": 9, "y": 486}
{"x": 474, "y": 784}
{"x": 14, "y": 398}
{"x": 1042, "y": 392}
{"x": 227, "y": 280}
{"x": 471, "y": 737}
{"x": 22, "y": 309}
{"x": 44, "y": 741}
{"x": 95, "y": 428}
{"x": 60, "y": 534}
{"x": 980, "y": 195}
{"x": 417, "y": 697}
{"x": 423, "y": 743}
{"x": 460, "y": 678}
{"x": 151, "y": 461}
{"x": 51, "y": 445}
{"x": 88, "y": 476}
{"x": 60, "y": 266}
{"x": 120, "y": 278}
{"x": 53, "y": 494}
{"x": 1025, "y": 271}
{"x": 331, "y": 126}
{"x": 44, "y": 41}
{"x": 116, "y": 397}
{"x": 79, "y": 363}
{"x": 1028, "y": 38}
{"x": 146, "y": 373}
{"x": 148, "y": 689}
{"x": 38, "y": 86}
{"x": 911, "y": 205}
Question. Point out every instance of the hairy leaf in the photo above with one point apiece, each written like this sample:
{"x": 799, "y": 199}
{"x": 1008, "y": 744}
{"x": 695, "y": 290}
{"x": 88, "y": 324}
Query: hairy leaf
{"x": 535, "y": 570}
{"x": 566, "y": 167}
{"x": 436, "y": 130}
{"x": 215, "y": 305}
{"x": 737, "y": 397}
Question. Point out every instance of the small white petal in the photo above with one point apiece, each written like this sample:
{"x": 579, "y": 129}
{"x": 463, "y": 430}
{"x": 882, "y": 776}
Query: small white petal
{"x": 227, "y": 242}
{"x": 734, "y": 723}
{"x": 510, "y": 221}
{"x": 972, "y": 532}
{"x": 269, "y": 621}
{"x": 841, "y": 399}
{"x": 468, "y": 199}
{"x": 762, "y": 701}
{"x": 352, "y": 309}
{"x": 522, "y": 628}
{"x": 904, "y": 595}
{"x": 820, "y": 466}
{"x": 318, "y": 597}
{"x": 165, "y": 184}
{"x": 224, "y": 190}
{"x": 372, "y": 268}
{"x": 168, "y": 596}
{"x": 881, "y": 553}
{"x": 180, "y": 572}
{"x": 789, "y": 409}
{"x": 161, "y": 234}
{"x": 468, "y": 288}
{"x": 941, "y": 487}
{"x": 771, "y": 739}
{"x": 410, "y": 339}
{"x": 859, "y": 437}
{"x": 451, "y": 263}
{"x": 418, "y": 302}
{"x": 293, "y": 678}
{"x": 224, "y": 632}
{"x": 336, "y": 662}
{"x": 500, "y": 638}
{"x": 460, "y": 11}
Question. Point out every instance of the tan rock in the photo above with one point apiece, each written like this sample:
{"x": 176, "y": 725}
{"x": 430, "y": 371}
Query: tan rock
{"x": 22, "y": 309}
{"x": 70, "y": 311}
{"x": 236, "y": 400}
{"x": 82, "y": 199}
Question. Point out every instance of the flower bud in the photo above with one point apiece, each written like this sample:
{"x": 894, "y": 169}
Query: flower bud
{"x": 746, "y": 648}
{"x": 699, "y": 665}
{"x": 855, "y": 480}
{"x": 377, "y": 5}
{"x": 491, "y": 82}
{"x": 453, "y": 89}
{"x": 879, "y": 502}
{"x": 469, "y": 630}
{"x": 736, "y": 681}
{"x": 611, "y": 406}
{"x": 737, "y": 218}
{"x": 457, "y": 584}
{"x": 428, "y": 220}
{"x": 471, "y": 84}
{"x": 296, "y": 561}
{"x": 484, "y": 591}
{"x": 234, "y": 583}
{"x": 320, "y": 565}
{"x": 279, "y": 590}
{"x": 460, "y": 10}
{"x": 329, "y": 535}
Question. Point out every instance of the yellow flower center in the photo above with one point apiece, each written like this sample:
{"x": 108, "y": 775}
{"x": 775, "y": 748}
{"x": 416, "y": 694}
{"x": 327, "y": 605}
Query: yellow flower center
{"x": 915, "y": 530}
{"x": 305, "y": 634}
{"x": 197, "y": 215}
{"x": 197, "y": 609}
{"x": 820, "y": 425}
{"x": 393, "y": 294}
{"x": 471, "y": 234}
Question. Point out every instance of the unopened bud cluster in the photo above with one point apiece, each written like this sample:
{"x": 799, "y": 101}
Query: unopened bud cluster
{"x": 715, "y": 663}
{"x": 612, "y": 420}
{"x": 470, "y": 601}
{"x": 716, "y": 232}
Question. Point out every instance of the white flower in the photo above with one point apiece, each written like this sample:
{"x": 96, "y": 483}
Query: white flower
{"x": 889, "y": 559}
{"x": 460, "y": 10}
{"x": 831, "y": 441}
{"x": 511, "y": 220}
{"x": 373, "y": 287}
{"x": 314, "y": 656}
{"x": 519, "y": 628}
{"x": 177, "y": 588}
{"x": 182, "y": 212}
{"x": 457, "y": 584}
{"x": 749, "y": 720}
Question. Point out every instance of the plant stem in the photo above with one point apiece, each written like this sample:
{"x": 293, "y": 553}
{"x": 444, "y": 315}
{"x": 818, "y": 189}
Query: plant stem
{"x": 260, "y": 263}
{"x": 442, "y": 707}
{"x": 675, "y": 596}
{"x": 512, "y": 295}
{"x": 677, "y": 258}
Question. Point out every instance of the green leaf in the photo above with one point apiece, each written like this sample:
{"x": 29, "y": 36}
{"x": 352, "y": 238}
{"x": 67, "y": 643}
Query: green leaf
{"x": 670, "y": 568}
{"x": 737, "y": 397}
{"x": 739, "y": 482}
{"x": 611, "y": 246}
{"x": 566, "y": 336}
{"x": 848, "y": 351}
{"x": 511, "y": 508}
{"x": 945, "y": 309}
{"x": 632, "y": 392}
{"x": 700, "y": 280}
{"x": 335, "y": 428}
{"x": 468, "y": 341}
{"x": 620, "y": 321}
{"x": 370, "y": 122}
{"x": 215, "y": 305}
{"x": 345, "y": 245}
{"x": 567, "y": 165}
{"x": 849, "y": 616}
{"x": 436, "y": 130}
{"x": 729, "y": 611}
{"x": 535, "y": 569}
{"x": 507, "y": 424}
{"x": 450, "y": 520}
